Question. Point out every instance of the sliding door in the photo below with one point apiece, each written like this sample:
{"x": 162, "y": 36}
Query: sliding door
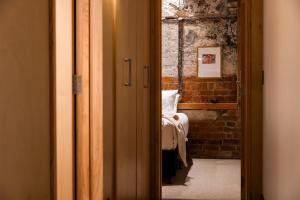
{"x": 126, "y": 99}
{"x": 132, "y": 88}
{"x": 143, "y": 99}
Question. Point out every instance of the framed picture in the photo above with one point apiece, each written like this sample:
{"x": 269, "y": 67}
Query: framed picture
{"x": 209, "y": 62}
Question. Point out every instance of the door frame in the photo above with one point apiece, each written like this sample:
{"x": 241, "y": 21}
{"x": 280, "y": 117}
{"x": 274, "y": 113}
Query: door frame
{"x": 251, "y": 57}
{"x": 61, "y": 37}
{"x": 76, "y": 170}
{"x": 89, "y": 101}
{"x": 99, "y": 166}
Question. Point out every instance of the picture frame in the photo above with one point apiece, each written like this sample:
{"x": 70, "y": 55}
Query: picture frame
{"x": 209, "y": 62}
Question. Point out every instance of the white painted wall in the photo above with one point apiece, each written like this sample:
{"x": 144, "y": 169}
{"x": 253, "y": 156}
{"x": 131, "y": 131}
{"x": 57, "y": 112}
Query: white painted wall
{"x": 282, "y": 100}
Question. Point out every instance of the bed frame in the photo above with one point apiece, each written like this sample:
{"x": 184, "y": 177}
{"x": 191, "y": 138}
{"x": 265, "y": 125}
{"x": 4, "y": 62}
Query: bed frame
{"x": 170, "y": 164}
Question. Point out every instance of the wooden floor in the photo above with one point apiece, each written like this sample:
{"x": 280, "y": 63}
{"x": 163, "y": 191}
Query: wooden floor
{"x": 206, "y": 179}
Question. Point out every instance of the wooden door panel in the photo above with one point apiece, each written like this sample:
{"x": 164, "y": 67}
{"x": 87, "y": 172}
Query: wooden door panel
{"x": 126, "y": 99}
{"x": 143, "y": 103}
{"x": 128, "y": 63}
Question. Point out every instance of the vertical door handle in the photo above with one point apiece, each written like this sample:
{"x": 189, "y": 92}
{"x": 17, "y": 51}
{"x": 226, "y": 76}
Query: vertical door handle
{"x": 127, "y": 72}
{"x": 146, "y": 76}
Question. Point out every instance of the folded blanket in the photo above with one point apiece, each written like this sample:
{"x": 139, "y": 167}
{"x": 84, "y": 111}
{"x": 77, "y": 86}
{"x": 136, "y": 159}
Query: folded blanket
{"x": 181, "y": 135}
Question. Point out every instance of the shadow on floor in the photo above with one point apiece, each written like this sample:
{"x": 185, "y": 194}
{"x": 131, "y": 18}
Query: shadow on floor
{"x": 181, "y": 175}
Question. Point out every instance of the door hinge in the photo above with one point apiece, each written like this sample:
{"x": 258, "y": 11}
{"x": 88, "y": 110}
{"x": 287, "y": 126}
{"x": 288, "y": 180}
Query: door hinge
{"x": 77, "y": 84}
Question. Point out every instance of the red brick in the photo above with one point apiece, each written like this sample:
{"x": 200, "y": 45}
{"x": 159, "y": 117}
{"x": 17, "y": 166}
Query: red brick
{"x": 228, "y": 148}
{"x": 206, "y": 134}
{"x": 211, "y": 147}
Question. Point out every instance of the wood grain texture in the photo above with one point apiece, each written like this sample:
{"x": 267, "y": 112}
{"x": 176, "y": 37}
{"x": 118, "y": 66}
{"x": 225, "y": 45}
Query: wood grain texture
{"x": 96, "y": 44}
{"x": 96, "y": 100}
{"x": 143, "y": 99}
{"x": 155, "y": 91}
{"x": 207, "y": 106}
{"x": 241, "y": 84}
{"x": 83, "y": 100}
{"x": 251, "y": 48}
{"x": 126, "y": 99}
{"x": 109, "y": 101}
{"x": 52, "y": 98}
{"x": 63, "y": 98}
{"x": 256, "y": 98}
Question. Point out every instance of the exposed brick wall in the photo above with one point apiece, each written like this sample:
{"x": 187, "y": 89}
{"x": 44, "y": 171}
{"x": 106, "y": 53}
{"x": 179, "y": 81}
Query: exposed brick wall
{"x": 196, "y": 90}
{"x": 214, "y": 138}
{"x": 213, "y": 133}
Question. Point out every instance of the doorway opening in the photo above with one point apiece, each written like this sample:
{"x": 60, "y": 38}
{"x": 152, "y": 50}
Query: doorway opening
{"x": 137, "y": 174}
{"x": 201, "y": 127}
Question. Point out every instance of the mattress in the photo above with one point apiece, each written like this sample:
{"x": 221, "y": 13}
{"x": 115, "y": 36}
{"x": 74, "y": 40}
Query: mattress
{"x": 169, "y": 132}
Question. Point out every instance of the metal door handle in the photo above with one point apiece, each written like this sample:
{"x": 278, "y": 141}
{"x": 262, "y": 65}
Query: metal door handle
{"x": 127, "y": 72}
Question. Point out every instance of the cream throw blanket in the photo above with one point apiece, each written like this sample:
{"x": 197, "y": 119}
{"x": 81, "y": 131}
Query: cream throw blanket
{"x": 181, "y": 136}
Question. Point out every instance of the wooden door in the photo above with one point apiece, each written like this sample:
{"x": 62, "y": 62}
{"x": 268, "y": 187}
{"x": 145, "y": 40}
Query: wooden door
{"x": 132, "y": 99}
{"x": 126, "y": 100}
{"x": 143, "y": 99}
{"x": 112, "y": 60}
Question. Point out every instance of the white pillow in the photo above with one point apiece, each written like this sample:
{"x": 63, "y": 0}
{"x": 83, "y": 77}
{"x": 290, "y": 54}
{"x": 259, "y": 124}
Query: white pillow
{"x": 176, "y": 102}
{"x": 170, "y": 100}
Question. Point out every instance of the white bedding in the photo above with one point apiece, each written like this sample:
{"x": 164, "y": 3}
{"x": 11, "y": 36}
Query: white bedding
{"x": 174, "y": 133}
{"x": 175, "y": 125}
{"x": 169, "y": 133}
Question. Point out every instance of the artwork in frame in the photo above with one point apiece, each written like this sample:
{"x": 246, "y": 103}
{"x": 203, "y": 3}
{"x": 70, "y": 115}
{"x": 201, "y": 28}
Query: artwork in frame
{"x": 209, "y": 62}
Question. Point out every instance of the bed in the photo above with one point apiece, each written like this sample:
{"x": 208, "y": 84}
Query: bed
{"x": 169, "y": 132}
{"x": 174, "y": 130}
